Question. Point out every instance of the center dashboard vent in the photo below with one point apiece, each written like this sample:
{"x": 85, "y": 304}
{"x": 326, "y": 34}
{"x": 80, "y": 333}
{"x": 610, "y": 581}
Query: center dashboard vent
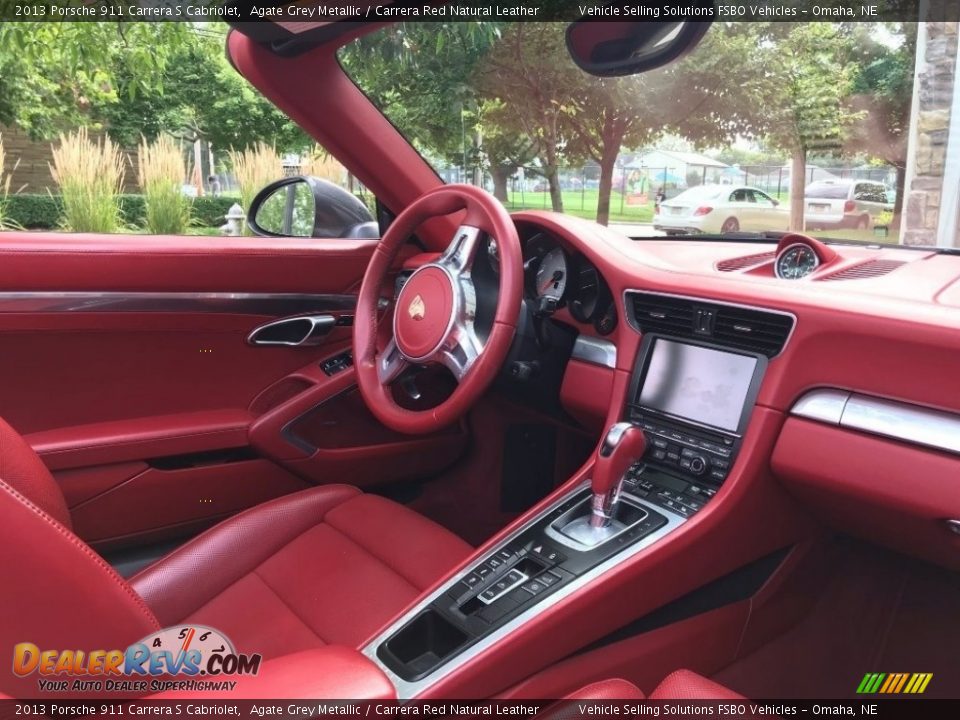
{"x": 739, "y": 328}
{"x": 746, "y": 261}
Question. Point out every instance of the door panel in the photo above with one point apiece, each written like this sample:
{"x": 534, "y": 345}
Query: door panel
{"x": 126, "y": 363}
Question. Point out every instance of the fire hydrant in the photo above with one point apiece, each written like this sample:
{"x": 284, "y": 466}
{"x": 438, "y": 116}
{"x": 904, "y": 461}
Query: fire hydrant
{"x": 235, "y": 218}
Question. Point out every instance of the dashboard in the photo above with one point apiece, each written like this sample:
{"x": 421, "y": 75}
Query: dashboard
{"x": 716, "y": 328}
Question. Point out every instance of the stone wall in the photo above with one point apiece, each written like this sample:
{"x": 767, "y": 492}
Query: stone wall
{"x": 33, "y": 171}
{"x": 934, "y": 91}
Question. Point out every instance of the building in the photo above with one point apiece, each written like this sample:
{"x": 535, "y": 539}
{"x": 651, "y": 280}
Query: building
{"x": 675, "y": 166}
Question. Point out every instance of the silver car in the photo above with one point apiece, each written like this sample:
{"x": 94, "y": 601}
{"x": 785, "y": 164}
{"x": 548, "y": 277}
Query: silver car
{"x": 844, "y": 203}
{"x": 720, "y": 209}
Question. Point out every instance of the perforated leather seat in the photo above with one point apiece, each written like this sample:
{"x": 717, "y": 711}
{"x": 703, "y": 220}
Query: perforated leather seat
{"x": 326, "y": 565}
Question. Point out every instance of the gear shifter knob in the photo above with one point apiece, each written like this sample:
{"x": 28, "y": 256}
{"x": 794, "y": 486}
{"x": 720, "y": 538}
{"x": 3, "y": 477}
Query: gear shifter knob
{"x": 623, "y": 444}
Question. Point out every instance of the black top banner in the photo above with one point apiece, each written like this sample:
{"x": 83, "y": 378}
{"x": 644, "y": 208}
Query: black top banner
{"x": 319, "y": 11}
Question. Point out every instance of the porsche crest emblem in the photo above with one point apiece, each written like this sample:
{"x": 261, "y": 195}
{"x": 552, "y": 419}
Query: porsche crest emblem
{"x": 416, "y": 308}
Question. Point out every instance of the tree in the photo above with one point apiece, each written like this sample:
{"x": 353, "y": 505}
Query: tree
{"x": 882, "y": 94}
{"x": 529, "y": 72}
{"x": 806, "y": 83}
{"x": 503, "y": 151}
{"x": 200, "y": 97}
{"x": 52, "y": 73}
{"x": 419, "y": 75}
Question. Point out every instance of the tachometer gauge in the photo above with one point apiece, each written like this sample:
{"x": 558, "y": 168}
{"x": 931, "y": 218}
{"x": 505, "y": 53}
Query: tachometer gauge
{"x": 552, "y": 274}
{"x": 796, "y": 261}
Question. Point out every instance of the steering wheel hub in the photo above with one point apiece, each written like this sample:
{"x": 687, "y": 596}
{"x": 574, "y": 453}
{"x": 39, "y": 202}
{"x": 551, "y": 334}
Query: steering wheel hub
{"x": 424, "y": 313}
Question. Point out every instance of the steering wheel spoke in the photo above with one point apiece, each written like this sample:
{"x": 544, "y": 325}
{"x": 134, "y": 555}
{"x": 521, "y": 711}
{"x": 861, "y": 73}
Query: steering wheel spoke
{"x": 459, "y": 255}
{"x": 461, "y": 350}
{"x": 391, "y": 363}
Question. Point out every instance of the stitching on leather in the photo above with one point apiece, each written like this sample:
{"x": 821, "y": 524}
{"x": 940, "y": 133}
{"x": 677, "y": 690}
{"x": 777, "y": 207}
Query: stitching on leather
{"x": 376, "y": 557}
{"x": 85, "y": 549}
{"x": 289, "y": 607}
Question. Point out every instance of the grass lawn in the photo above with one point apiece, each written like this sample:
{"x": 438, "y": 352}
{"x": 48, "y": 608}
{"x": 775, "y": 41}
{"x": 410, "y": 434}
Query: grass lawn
{"x": 583, "y": 203}
{"x": 868, "y": 236}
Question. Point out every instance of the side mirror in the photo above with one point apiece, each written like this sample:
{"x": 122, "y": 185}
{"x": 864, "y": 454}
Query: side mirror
{"x": 624, "y": 48}
{"x": 304, "y": 206}
{"x": 776, "y": 203}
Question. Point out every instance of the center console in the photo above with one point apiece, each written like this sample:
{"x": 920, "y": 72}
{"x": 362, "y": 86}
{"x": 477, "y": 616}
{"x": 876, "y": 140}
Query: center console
{"x": 688, "y": 405}
{"x": 693, "y": 402}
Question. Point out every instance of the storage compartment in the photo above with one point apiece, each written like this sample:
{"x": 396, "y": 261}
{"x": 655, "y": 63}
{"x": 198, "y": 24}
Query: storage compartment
{"x": 421, "y": 645}
{"x": 887, "y": 491}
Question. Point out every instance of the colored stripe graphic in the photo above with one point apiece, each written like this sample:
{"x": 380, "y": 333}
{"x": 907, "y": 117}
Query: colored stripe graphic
{"x": 894, "y": 683}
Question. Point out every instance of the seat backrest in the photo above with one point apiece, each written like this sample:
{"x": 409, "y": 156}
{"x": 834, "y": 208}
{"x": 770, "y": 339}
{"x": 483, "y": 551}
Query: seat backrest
{"x": 23, "y": 470}
{"x": 58, "y": 593}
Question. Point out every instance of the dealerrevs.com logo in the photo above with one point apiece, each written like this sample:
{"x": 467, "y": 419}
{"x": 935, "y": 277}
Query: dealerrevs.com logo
{"x": 176, "y": 658}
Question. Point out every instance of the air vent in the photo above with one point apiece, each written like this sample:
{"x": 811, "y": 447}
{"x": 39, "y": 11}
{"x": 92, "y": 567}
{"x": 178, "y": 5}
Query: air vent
{"x": 754, "y": 330}
{"x": 864, "y": 270}
{"x": 661, "y": 314}
{"x": 739, "y": 263}
{"x": 736, "y": 327}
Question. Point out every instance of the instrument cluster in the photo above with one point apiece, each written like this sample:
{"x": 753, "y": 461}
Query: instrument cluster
{"x": 555, "y": 278}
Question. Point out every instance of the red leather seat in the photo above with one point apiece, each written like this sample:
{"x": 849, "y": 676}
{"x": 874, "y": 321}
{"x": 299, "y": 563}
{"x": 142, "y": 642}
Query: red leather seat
{"x": 678, "y": 685}
{"x": 326, "y": 565}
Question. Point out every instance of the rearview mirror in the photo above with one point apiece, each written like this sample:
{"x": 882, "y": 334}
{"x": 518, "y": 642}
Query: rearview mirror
{"x": 624, "y": 48}
{"x": 304, "y": 206}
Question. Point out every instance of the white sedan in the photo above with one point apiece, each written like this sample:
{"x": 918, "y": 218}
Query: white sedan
{"x": 720, "y": 209}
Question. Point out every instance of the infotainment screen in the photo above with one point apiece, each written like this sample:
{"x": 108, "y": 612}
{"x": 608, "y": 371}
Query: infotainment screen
{"x": 697, "y": 383}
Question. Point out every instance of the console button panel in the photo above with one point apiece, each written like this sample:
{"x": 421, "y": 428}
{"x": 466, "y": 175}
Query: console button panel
{"x": 515, "y": 577}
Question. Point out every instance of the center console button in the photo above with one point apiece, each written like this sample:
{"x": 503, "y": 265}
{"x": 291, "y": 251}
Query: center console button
{"x": 549, "y": 579}
{"x": 495, "y": 563}
{"x": 484, "y": 572}
{"x": 472, "y": 580}
{"x": 547, "y": 554}
{"x": 534, "y": 587}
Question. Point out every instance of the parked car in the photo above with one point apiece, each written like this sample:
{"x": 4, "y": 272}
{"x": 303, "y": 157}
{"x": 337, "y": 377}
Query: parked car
{"x": 844, "y": 203}
{"x": 720, "y": 209}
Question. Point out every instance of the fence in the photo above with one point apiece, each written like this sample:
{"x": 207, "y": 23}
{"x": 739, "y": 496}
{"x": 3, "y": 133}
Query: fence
{"x": 634, "y": 187}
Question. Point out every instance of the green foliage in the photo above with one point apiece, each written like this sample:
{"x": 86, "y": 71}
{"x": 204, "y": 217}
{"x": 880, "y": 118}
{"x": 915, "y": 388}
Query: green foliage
{"x": 200, "y": 97}
{"x": 44, "y": 211}
{"x": 52, "y": 74}
{"x": 420, "y": 76}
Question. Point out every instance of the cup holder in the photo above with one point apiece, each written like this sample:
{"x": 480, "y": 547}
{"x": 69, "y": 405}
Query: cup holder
{"x": 421, "y": 645}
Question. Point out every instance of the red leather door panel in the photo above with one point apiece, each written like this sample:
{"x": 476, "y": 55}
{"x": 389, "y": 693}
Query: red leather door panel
{"x": 119, "y": 350}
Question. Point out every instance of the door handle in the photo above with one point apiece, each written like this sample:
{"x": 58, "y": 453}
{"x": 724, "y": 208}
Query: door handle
{"x": 298, "y": 331}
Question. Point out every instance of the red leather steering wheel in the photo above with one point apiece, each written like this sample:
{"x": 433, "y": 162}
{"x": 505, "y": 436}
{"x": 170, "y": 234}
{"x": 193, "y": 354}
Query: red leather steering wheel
{"x": 434, "y": 314}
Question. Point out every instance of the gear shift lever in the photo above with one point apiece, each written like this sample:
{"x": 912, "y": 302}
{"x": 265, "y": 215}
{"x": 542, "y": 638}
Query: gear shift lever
{"x": 623, "y": 444}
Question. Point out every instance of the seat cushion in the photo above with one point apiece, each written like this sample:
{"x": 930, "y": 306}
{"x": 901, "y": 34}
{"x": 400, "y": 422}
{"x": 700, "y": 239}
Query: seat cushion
{"x": 686, "y": 685}
{"x": 678, "y": 685}
{"x": 327, "y": 565}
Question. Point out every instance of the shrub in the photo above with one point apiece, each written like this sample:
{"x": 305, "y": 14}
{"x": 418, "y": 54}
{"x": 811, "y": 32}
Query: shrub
{"x": 89, "y": 174}
{"x": 161, "y": 174}
{"x": 43, "y": 212}
{"x": 254, "y": 168}
{"x": 6, "y": 179}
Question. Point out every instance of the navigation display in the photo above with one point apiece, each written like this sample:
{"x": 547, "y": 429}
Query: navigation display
{"x": 696, "y": 383}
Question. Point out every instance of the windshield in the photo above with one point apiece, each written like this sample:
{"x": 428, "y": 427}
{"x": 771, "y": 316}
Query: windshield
{"x": 779, "y": 107}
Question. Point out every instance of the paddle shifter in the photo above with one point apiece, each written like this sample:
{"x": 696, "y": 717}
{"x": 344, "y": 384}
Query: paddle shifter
{"x": 623, "y": 444}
